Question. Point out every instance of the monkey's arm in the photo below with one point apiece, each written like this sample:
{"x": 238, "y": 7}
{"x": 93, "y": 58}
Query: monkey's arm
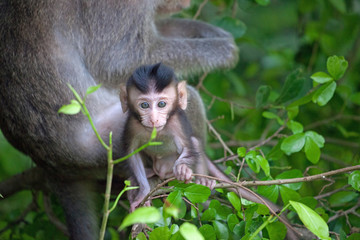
{"x": 189, "y": 46}
{"x": 186, "y": 28}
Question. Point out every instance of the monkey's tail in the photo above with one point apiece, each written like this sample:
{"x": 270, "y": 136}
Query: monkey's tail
{"x": 246, "y": 193}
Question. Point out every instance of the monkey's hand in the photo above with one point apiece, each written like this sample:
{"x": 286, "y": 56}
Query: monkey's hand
{"x": 183, "y": 173}
{"x": 206, "y": 182}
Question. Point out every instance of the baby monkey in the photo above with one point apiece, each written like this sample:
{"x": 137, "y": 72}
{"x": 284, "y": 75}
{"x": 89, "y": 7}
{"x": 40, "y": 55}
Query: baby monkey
{"x": 154, "y": 98}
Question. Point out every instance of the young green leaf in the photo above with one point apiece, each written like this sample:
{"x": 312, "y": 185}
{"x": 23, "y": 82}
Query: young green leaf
{"x": 354, "y": 180}
{"x": 235, "y": 200}
{"x": 92, "y": 89}
{"x": 323, "y": 95}
{"x": 270, "y": 115}
{"x": 71, "y": 109}
{"x": 336, "y": 66}
{"x": 293, "y": 143}
{"x": 141, "y": 215}
{"x": 189, "y": 232}
{"x": 292, "y": 112}
{"x": 311, "y": 220}
{"x": 312, "y": 151}
{"x": 295, "y": 127}
{"x": 241, "y": 151}
{"x": 208, "y": 232}
{"x": 317, "y": 138}
{"x": 197, "y": 193}
{"x": 141, "y": 236}
{"x": 264, "y": 164}
{"x": 252, "y": 162}
{"x": 153, "y": 134}
{"x": 173, "y": 203}
{"x": 321, "y": 77}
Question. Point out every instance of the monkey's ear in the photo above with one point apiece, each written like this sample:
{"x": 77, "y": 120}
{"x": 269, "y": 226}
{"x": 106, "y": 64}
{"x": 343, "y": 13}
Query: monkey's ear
{"x": 182, "y": 93}
{"x": 123, "y": 97}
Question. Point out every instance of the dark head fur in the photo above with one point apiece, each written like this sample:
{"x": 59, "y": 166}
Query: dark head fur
{"x": 146, "y": 76}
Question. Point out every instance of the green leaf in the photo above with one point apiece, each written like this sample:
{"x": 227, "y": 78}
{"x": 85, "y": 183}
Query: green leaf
{"x": 295, "y": 127}
{"x": 235, "y": 200}
{"x": 162, "y": 233}
{"x": 232, "y": 220}
{"x": 221, "y": 230}
{"x": 262, "y": 96}
{"x": 174, "y": 228}
{"x": 208, "y": 232}
{"x": 341, "y": 198}
{"x": 292, "y": 112}
{"x": 336, "y": 66}
{"x": 294, "y": 173}
{"x": 172, "y": 204}
{"x": 264, "y": 164}
{"x": 321, "y": 77}
{"x": 197, "y": 193}
{"x": 153, "y": 134}
{"x": 293, "y": 143}
{"x": 92, "y": 89}
{"x": 294, "y": 83}
{"x": 141, "y": 236}
{"x": 190, "y": 232}
{"x": 317, "y": 138}
{"x": 141, "y": 215}
{"x": 251, "y": 161}
{"x": 241, "y": 151}
{"x": 323, "y": 95}
{"x": 277, "y": 230}
{"x": 288, "y": 194}
{"x": 276, "y": 153}
{"x": 71, "y": 109}
{"x": 239, "y": 229}
{"x": 209, "y": 214}
{"x": 270, "y": 192}
{"x": 270, "y": 115}
{"x": 354, "y": 180}
{"x": 311, "y": 220}
{"x": 312, "y": 151}
{"x": 302, "y": 101}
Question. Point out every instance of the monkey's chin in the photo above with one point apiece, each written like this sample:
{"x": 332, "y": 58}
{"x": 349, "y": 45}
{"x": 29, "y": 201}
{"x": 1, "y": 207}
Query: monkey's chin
{"x": 158, "y": 129}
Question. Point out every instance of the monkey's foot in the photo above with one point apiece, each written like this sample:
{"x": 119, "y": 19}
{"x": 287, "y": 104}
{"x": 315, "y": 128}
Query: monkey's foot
{"x": 136, "y": 229}
{"x": 206, "y": 182}
{"x": 183, "y": 173}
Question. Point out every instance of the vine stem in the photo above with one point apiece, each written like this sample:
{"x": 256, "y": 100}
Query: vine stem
{"x": 109, "y": 177}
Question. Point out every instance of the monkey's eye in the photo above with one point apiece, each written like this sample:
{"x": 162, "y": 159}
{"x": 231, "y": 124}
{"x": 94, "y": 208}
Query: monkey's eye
{"x": 162, "y": 104}
{"x": 144, "y": 105}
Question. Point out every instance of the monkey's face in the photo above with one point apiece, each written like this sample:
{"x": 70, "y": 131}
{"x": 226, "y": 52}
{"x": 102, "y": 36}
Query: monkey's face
{"x": 154, "y": 108}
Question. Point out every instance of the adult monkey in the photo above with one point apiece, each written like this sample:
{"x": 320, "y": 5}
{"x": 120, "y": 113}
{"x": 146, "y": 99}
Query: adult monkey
{"x": 45, "y": 44}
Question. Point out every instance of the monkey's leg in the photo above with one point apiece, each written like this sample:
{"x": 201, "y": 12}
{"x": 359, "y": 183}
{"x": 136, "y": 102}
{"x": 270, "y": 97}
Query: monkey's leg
{"x": 78, "y": 201}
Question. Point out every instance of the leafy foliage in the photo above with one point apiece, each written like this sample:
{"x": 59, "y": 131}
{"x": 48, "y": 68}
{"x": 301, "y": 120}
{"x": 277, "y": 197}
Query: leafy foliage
{"x": 289, "y": 109}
